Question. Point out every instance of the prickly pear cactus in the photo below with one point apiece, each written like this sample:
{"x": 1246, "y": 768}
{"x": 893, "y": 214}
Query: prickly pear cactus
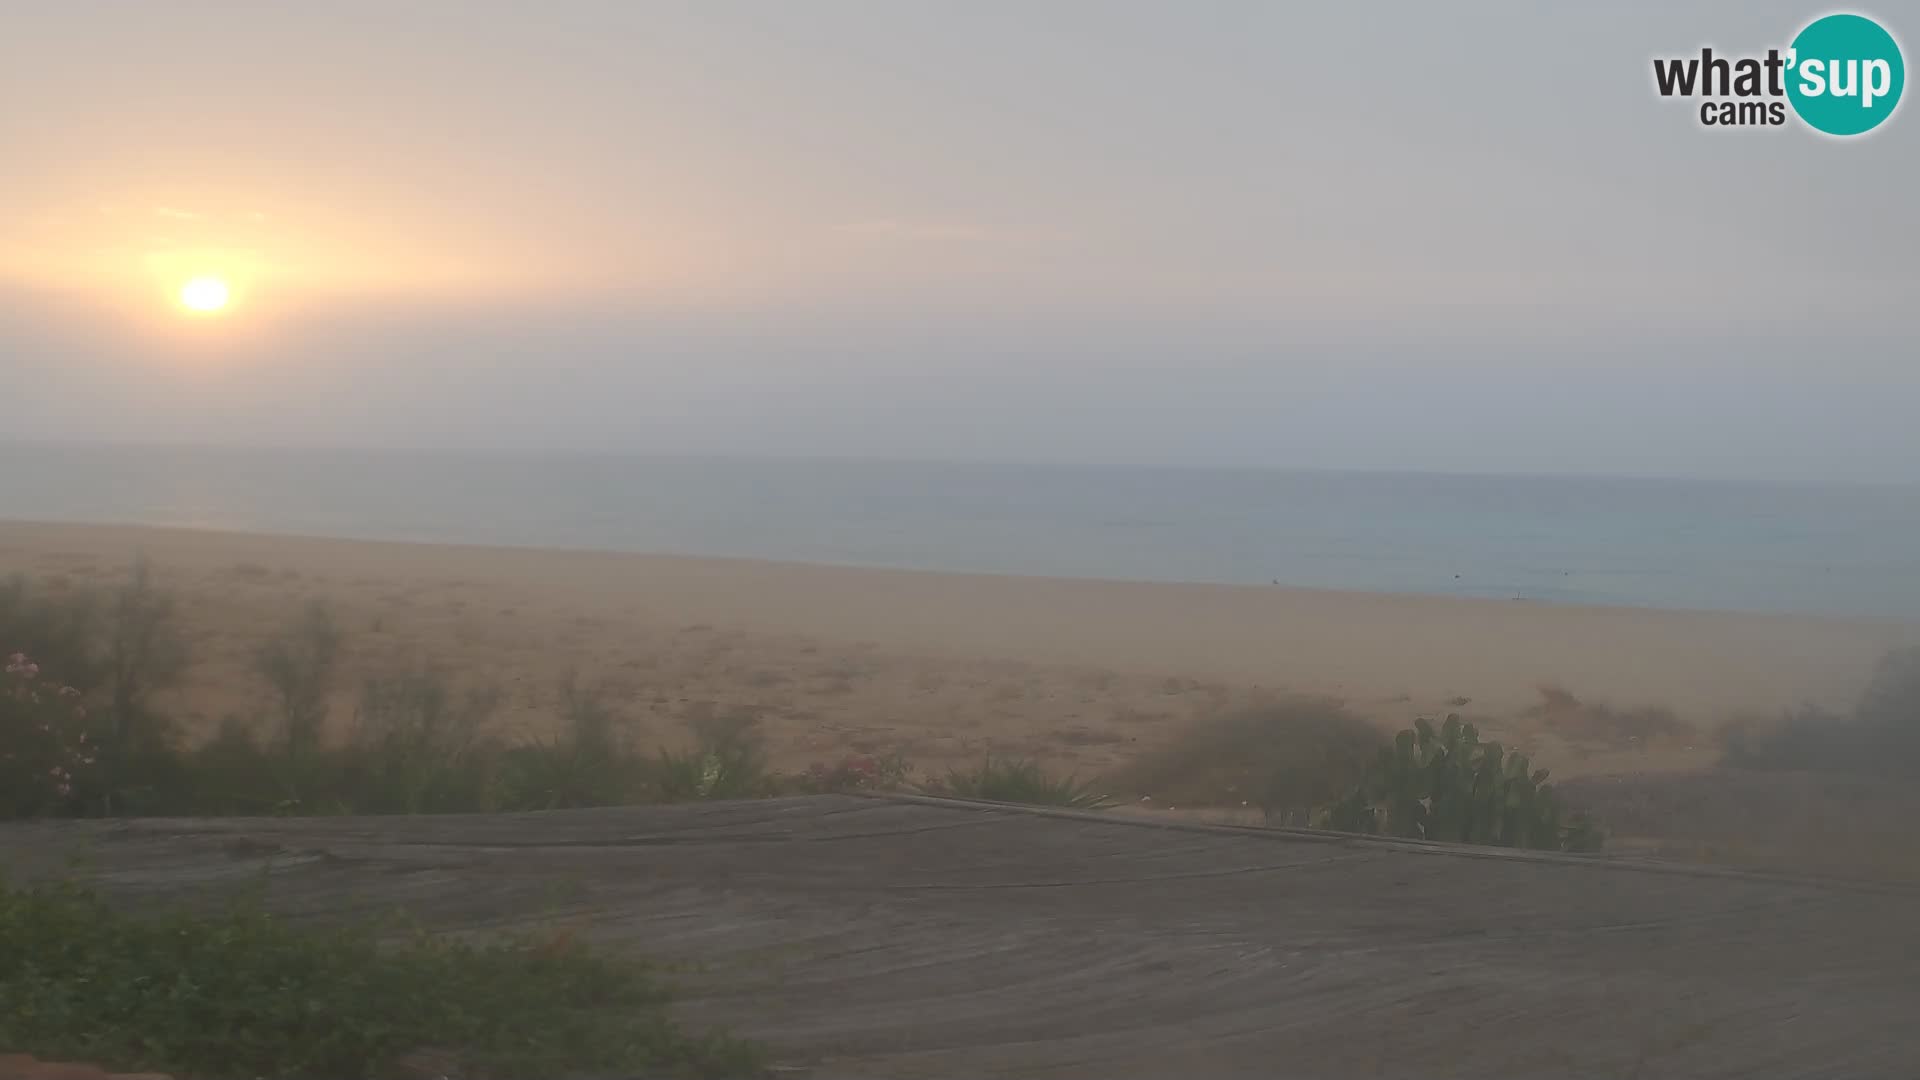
{"x": 1445, "y": 784}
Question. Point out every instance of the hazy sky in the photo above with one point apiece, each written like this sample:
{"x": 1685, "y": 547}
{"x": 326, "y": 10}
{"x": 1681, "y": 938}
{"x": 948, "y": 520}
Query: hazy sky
{"x": 1368, "y": 235}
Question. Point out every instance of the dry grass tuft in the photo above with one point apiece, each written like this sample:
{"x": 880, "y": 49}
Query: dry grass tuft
{"x": 1597, "y": 723}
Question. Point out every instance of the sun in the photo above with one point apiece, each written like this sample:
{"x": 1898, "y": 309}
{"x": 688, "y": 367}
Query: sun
{"x": 205, "y": 295}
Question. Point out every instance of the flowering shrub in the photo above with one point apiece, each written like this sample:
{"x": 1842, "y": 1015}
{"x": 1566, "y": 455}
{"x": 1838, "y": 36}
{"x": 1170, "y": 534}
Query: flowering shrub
{"x": 856, "y": 772}
{"x": 44, "y": 749}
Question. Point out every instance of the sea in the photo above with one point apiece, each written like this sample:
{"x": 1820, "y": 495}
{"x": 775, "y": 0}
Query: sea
{"x": 1839, "y": 550}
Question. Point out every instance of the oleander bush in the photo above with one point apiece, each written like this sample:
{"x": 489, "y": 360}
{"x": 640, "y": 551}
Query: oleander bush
{"x": 45, "y": 751}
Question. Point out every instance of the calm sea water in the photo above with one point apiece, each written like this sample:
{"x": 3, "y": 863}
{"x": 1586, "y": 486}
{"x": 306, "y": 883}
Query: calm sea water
{"x": 1656, "y": 543}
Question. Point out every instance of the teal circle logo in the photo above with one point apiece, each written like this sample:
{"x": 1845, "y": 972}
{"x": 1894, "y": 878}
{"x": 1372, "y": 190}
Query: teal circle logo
{"x": 1845, "y": 74}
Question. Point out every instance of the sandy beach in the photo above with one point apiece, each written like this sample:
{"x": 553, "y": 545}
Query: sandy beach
{"x": 946, "y": 667}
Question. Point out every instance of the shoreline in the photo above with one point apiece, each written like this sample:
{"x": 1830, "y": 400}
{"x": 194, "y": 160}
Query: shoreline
{"x": 29, "y": 525}
{"x": 944, "y": 665}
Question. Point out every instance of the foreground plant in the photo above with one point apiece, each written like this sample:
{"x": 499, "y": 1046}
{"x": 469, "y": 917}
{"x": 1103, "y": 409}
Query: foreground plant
{"x": 728, "y": 761}
{"x": 1020, "y": 781}
{"x": 111, "y": 649}
{"x": 1880, "y": 737}
{"x": 245, "y": 994}
{"x": 855, "y": 772}
{"x": 44, "y": 747}
{"x": 1445, "y": 784}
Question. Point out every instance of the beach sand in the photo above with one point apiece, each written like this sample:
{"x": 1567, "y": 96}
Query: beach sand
{"x": 945, "y": 668}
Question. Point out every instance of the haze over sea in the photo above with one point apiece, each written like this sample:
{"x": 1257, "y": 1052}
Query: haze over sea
{"x": 1588, "y": 540}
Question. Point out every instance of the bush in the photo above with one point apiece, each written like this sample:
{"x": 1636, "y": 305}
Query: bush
{"x": 1806, "y": 738}
{"x": 233, "y": 773}
{"x": 299, "y": 664}
{"x": 855, "y": 772}
{"x": 114, "y": 655}
{"x": 1882, "y": 736}
{"x": 418, "y": 746}
{"x": 1288, "y": 758}
{"x": 1892, "y": 697}
{"x": 1447, "y": 785}
{"x": 61, "y": 631}
{"x": 728, "y": 761}
{"x": 1838, "y": 823}
{"x": 245, "y": 994}
{"x": 587, "y": 764}
{"x": 142, "y": 651}
{"x": 1019, "y": 781}
{"x": 44, "y": 747}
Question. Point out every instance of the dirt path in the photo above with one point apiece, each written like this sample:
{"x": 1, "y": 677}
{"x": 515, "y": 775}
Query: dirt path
{"x": 898, "y": 938}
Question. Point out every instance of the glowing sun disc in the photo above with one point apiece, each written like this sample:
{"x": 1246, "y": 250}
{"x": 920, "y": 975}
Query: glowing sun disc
{"x": 205, "y": 295}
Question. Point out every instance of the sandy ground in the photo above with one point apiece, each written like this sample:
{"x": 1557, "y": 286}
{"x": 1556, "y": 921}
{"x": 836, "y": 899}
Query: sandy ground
{"x": 944, "y": 667}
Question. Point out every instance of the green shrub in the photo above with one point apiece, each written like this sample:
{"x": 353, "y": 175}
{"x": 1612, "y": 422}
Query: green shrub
{"x": 1880, "y": 737}
{"x": 586, "y": 764}
{"x": 728, "y": 761}
{"x": 1447, "y": 785}
{"x": 113, "y": 649}
{"x": 60, "y": 630}
{"x": 299, "y": 664}
{"x": 232, "y": 773}
{"x": 143, "y": 651}
{"x": 1892, "y": 697}
{"x": 45, "y": 752}
{"x": 246, "y": 994}
{"x": 1020, "y": 781}
{"x": 417, "y": 746}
